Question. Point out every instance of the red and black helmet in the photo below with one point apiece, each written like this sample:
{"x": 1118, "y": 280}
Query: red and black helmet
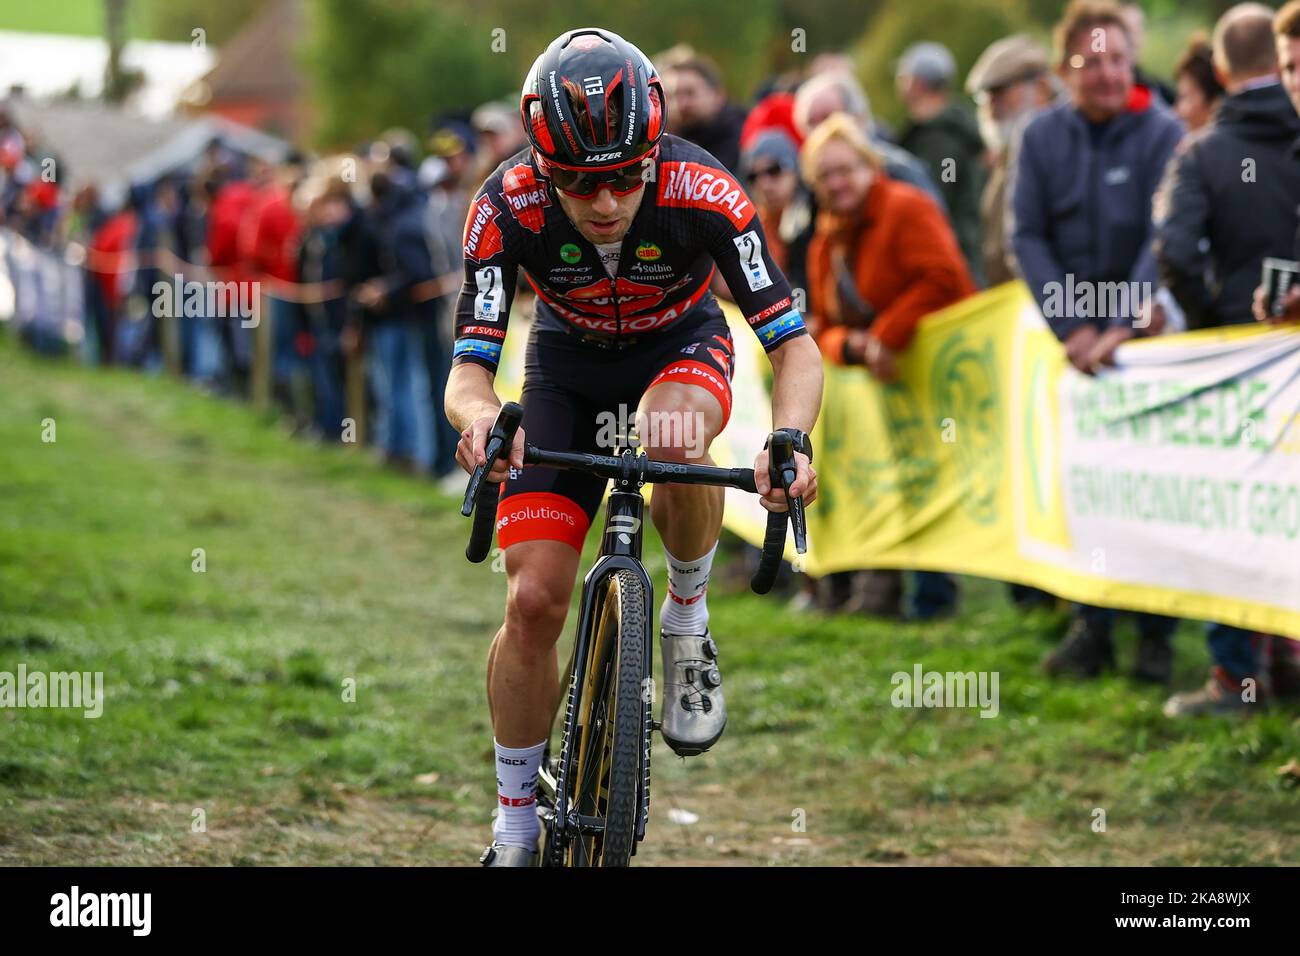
{"x": 592, "y": 101}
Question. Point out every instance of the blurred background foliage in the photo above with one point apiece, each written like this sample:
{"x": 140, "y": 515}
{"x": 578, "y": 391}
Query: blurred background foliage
{"x": 373, "y": 64}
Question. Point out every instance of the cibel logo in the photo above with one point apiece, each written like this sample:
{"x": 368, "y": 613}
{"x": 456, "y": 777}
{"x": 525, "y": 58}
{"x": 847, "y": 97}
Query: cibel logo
{"x": 624, "y": 526}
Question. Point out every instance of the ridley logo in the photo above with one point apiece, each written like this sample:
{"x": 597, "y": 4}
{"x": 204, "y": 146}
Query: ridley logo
{"x": 704, "y": 187}
{"x": 526, "y": 198}
{"x": 482, "y": 235}
{"x": 624, "y": 526}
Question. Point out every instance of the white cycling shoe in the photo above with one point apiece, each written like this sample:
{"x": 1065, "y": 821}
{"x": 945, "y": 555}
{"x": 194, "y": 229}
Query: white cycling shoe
{"x": 694, "y": 711}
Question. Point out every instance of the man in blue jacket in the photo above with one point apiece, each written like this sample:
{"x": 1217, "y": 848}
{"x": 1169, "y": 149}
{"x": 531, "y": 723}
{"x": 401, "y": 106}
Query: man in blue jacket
{"x": 1081, "y": 211}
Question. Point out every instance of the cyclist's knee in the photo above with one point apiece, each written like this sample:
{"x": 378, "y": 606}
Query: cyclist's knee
{"x": 678, "y": 422}
{"x": 541, "y": 583}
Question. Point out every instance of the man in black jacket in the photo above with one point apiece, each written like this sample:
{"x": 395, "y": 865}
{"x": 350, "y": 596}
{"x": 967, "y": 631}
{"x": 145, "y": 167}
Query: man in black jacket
{"x": 944, "y": 136}
{"x": 1233, "y": 188}
{"x": 1232, "y": 194}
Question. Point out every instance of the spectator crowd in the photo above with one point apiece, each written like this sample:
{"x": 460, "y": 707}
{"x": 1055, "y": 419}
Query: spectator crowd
{"x": 1074, "y": 167}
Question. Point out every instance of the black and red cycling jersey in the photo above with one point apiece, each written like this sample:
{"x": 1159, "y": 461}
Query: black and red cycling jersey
{"x": 694, "y": 214}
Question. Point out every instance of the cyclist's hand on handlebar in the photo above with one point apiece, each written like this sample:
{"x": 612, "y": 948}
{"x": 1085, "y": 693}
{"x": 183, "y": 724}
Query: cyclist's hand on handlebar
{"x": 773, "y": 498}
{"x": 472, "y": 449}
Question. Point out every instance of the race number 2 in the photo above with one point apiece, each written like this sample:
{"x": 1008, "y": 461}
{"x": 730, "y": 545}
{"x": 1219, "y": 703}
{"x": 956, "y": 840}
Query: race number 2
{"x": 751, "y": 260}
{"x": 487, "y": 304}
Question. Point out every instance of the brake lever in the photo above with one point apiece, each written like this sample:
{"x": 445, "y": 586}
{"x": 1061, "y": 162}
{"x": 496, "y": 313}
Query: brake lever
{"x": 784, "y": 470}
{"x": 788, "y": 476}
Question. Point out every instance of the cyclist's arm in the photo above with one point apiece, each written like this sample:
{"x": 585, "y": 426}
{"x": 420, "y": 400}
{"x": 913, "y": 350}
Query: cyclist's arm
{"x": 762, "y": 293}
{"x": 482, "y": 315}
{"x": 796, "y": 384}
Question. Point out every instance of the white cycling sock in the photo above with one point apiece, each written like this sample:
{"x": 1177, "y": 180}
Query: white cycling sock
{"x": 516, "y": 823}
{"x": 684, "y": 610}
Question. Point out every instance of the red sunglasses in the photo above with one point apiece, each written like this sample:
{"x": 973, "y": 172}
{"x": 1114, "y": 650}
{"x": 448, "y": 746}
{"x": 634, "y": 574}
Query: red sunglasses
{"x": 583, "y": 184}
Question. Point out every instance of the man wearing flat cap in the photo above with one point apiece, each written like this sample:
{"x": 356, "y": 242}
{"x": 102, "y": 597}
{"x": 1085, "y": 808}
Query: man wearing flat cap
{"x": 1010, "y": 82}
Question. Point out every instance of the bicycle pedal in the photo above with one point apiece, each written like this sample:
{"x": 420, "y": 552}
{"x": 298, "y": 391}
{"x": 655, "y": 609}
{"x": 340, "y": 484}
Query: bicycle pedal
{"x": 655, "y": 725}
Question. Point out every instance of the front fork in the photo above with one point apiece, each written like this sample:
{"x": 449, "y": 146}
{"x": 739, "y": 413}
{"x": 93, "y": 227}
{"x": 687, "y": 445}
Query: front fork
{"x": 620, "y": 550}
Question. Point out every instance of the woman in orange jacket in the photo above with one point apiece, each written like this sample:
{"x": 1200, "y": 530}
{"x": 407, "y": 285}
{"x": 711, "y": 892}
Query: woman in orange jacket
{"x": 882, "y": 255}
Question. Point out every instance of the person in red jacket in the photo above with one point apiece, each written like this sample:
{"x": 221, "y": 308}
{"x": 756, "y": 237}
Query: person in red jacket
{"x": 269, "y": 235}
{"x": 882, "y": 256}
{"x": 111, "y": 262}
{"x": 224, "y": 216}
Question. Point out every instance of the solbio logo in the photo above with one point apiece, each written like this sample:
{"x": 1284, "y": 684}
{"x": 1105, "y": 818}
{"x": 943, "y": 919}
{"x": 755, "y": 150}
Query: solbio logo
{"x": 648, "y": 252}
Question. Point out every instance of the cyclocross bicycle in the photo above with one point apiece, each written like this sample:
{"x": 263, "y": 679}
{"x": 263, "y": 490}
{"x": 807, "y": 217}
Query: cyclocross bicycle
{"x": 594, "y": 800}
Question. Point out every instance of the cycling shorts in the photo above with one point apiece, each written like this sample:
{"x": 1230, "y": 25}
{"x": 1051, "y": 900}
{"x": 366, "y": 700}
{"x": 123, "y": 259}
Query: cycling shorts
{"x": 574, "y": 394}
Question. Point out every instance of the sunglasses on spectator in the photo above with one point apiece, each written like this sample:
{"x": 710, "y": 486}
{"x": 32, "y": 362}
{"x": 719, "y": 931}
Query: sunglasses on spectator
{"x": 763, "y": 172}
{"x": 581, "y": 184}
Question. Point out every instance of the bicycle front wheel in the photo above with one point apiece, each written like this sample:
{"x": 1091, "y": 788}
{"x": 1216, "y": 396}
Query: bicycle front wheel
{"x": 609, "y": 762}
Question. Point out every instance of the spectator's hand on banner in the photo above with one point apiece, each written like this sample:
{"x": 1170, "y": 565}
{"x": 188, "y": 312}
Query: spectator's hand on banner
{"x": 879, "y": 359}
{"x": 1079, "y": 345}
{"x": 1154, "y": 317}
{"x": 1291, "y": 306}
{"x": 1102, "y": 353}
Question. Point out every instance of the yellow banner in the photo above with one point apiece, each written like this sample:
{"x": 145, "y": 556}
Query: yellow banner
{"x": 1170, "y": 485}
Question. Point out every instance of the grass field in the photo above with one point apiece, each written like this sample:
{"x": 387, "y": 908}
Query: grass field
{"x": 73, "y": 17}
{"x": 224, "y": 688}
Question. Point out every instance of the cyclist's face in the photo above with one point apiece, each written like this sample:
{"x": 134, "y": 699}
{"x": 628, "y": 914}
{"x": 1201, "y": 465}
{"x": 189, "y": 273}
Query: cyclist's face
{"x": 842, "y": 177}
{"x": 604, "y": 217}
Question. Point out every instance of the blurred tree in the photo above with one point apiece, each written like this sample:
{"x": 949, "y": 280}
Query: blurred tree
{"x": 966, "y": 27}
{"x": 176, "y": 20}
{"x": 735, "y": 33}
{"x": 118, "y": 80}
{"x": 377, "y": 63}
{"x": 807, "y": 29}
{"x": 382, "y": 63}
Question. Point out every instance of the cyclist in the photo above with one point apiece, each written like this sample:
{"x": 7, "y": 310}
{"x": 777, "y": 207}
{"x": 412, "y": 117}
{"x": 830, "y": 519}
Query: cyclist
{"x": 618, "y": 227}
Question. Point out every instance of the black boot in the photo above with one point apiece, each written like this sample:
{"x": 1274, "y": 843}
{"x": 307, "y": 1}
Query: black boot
{"x": 1083, "y": 652}
{"x": 1155, "y": 658}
